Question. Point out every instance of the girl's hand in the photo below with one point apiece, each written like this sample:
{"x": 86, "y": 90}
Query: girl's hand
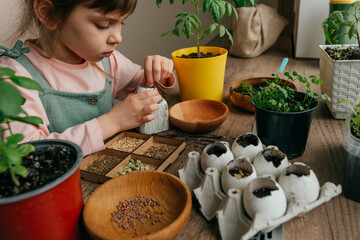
{"x": 158, "y": 69}
{"x": 134, "y": 111}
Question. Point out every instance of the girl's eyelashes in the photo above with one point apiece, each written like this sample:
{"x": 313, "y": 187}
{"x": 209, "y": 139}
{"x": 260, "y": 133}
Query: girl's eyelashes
{"x": 102, "y": 27}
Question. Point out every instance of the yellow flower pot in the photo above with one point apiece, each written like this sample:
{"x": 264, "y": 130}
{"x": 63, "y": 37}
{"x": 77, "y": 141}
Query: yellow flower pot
{"x": 201, "y": 78}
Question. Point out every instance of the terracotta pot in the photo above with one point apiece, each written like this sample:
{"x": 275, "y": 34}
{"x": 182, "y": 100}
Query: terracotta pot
{"x": 242, "y": 100}
{"x": 52, "y": 211}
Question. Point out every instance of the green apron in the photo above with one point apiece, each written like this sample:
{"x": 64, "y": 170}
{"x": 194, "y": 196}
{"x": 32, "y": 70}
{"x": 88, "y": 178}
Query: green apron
{"x": 66, "y": 109}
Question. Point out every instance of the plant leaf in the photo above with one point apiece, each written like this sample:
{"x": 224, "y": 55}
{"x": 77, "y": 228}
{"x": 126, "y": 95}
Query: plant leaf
{"x": 26, "y": 83}
{"x": 10, "y": 99}
{"x": 25, "y": 149}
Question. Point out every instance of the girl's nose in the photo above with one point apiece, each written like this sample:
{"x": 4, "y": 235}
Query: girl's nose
{"x": 115, "y": 36}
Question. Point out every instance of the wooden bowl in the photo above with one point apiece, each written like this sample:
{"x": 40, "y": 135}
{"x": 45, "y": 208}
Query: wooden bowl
{"x": 241, "y": 99}
{"x": 172, "y": 194}
{"x": 198, "y": 115}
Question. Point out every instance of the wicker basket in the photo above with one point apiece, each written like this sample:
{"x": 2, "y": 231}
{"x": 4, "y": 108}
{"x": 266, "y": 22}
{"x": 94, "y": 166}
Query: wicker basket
{"x": 341, "y": 81}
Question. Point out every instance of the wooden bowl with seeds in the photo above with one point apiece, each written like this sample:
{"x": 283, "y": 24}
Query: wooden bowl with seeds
{"x": 198, "y": 115}
{"x": 138, "y": 205}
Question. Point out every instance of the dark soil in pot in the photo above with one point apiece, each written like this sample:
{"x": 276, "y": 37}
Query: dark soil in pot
{"x": 44, "y": 166}
{"x": 349, "y": 53}
{"x": 202, "y": 55}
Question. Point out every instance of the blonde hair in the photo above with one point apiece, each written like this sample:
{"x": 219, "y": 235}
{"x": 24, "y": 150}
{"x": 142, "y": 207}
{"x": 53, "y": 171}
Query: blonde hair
{"x": 59, "y": 11}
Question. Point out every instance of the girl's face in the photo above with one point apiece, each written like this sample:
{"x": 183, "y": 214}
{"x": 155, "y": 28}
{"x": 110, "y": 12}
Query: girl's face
{"x": 88, "y": 35}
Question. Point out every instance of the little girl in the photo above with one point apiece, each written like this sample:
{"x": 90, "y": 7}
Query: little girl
{"x": 75, "y": 61}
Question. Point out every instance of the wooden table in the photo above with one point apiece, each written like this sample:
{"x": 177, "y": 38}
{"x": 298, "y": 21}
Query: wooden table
{"x": 337, "y": 219}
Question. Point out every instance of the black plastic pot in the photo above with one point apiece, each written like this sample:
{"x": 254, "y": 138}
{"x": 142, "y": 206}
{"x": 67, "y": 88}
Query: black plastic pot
{"x": 288, "y": 131}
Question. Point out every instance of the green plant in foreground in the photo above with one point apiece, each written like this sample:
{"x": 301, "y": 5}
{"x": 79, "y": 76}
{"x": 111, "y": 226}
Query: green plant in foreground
{"x": 339, "y": 19}
{"x": 245, "y": 3}
{"x": 355, "y": 120}
{"x": 280, "y": 97}
{"x": 11, "y": 152}
{"x": 191, "y": 23}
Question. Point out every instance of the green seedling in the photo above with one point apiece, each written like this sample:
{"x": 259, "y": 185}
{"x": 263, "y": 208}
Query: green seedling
{"x": 281, "y": 98}
{"x": 11, "y": 102}
{"x": 355, "y": 119}
{"x": 340, "y": 19}
{"x": 190, "y": 24}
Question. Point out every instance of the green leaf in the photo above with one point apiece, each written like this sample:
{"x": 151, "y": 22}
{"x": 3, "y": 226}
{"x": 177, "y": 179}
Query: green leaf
{"x": 25, "y": 149}
{"x": 15, "y": 138}
{"x": 175, "y": 32}
{"x": 228, "y": 8}
{"x": 10, "y": 99}
{"x": 222, "y": 30}
{"x": 11, "y": 156}
{"x": 33, "y": 120}
{"x": 215, "y": 12}
{"x": 6, "y": 71}
{"x": 26, "y": 83}
{"x": 229, "y": 36}
{"x": 3, "y": 166}
{"x": 187, "y": 29}
{"x": 206, "y": 5}
{"x": 20, "y": 170}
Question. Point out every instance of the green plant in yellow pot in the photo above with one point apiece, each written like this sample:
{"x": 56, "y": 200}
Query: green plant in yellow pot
{"x": 201, "y": 69}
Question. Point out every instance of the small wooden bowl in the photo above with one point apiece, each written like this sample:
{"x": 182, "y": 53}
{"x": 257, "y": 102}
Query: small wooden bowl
{"x": 198, "y": 115}
{"x": 173, "y": 195}
{"x": 242, "y": 100}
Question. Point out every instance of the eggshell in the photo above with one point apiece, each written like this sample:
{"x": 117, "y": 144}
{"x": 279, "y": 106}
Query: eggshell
{"x": 248, "y": 145}
{"x": 300, "y": 182}
{"x": 271, "y": 204}
{"x": 229, "y": 181}
{"x": 209, "y": 159}
{"x": 270, "y": 161}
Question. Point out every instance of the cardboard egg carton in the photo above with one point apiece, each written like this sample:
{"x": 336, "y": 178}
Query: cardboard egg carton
{"x": 233, "y": 221}
{"x": 123, "y": 157}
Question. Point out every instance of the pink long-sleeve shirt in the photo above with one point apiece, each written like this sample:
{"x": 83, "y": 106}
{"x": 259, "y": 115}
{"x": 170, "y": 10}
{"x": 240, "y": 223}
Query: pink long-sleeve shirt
{"x": 78, "y": 78}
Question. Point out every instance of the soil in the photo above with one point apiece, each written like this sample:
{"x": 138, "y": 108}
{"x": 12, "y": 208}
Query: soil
{"x": 350, "y": 53}
{"x": 216, "y": 150}
{"x": 247, "y": 139}
{"x": 239, "y": 173}
{"x": 263, "y": 192}
{"x": 274, "y": 156}
{"x": 202, "y": 55}
{"x": 44, "y": 166}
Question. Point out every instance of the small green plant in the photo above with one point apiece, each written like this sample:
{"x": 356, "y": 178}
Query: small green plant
{"x": 338, "y": 20}
{"x": 355, "y": 119}
{"x": 245, "y": 3}
{"x": 192, "y": 25}
{"x": 11, "y": 102}
{"x": 280, "y": 97}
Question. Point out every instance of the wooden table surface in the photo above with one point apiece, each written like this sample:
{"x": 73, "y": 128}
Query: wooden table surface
{"x": 337, "y": 219}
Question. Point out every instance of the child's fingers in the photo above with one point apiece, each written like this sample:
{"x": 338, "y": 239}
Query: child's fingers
{"x": 148, "y": 71}
{"x": 148, "y": 118}
{"x": 156, "y": 68}
{"x": 146, "y": 94}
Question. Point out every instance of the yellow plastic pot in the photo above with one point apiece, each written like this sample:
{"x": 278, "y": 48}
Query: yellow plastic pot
{"x": 201, "y": 78}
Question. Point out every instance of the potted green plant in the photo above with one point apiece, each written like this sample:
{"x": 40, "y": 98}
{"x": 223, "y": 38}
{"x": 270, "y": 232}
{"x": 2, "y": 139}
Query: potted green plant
{"x": 200, "y": 70}
{"x": 283, "y": 116}
{"x": 352, "y": 147}
{"x": 340, "y": 64}
{"x": 40, "y": 191}
{"x": 256, "y": 29}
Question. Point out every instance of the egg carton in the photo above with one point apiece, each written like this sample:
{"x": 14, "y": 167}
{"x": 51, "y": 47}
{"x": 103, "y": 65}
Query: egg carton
{"x": 232, "y": 218}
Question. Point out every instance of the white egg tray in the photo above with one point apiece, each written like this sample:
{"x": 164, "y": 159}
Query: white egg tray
{"x": 229, "y": 209}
